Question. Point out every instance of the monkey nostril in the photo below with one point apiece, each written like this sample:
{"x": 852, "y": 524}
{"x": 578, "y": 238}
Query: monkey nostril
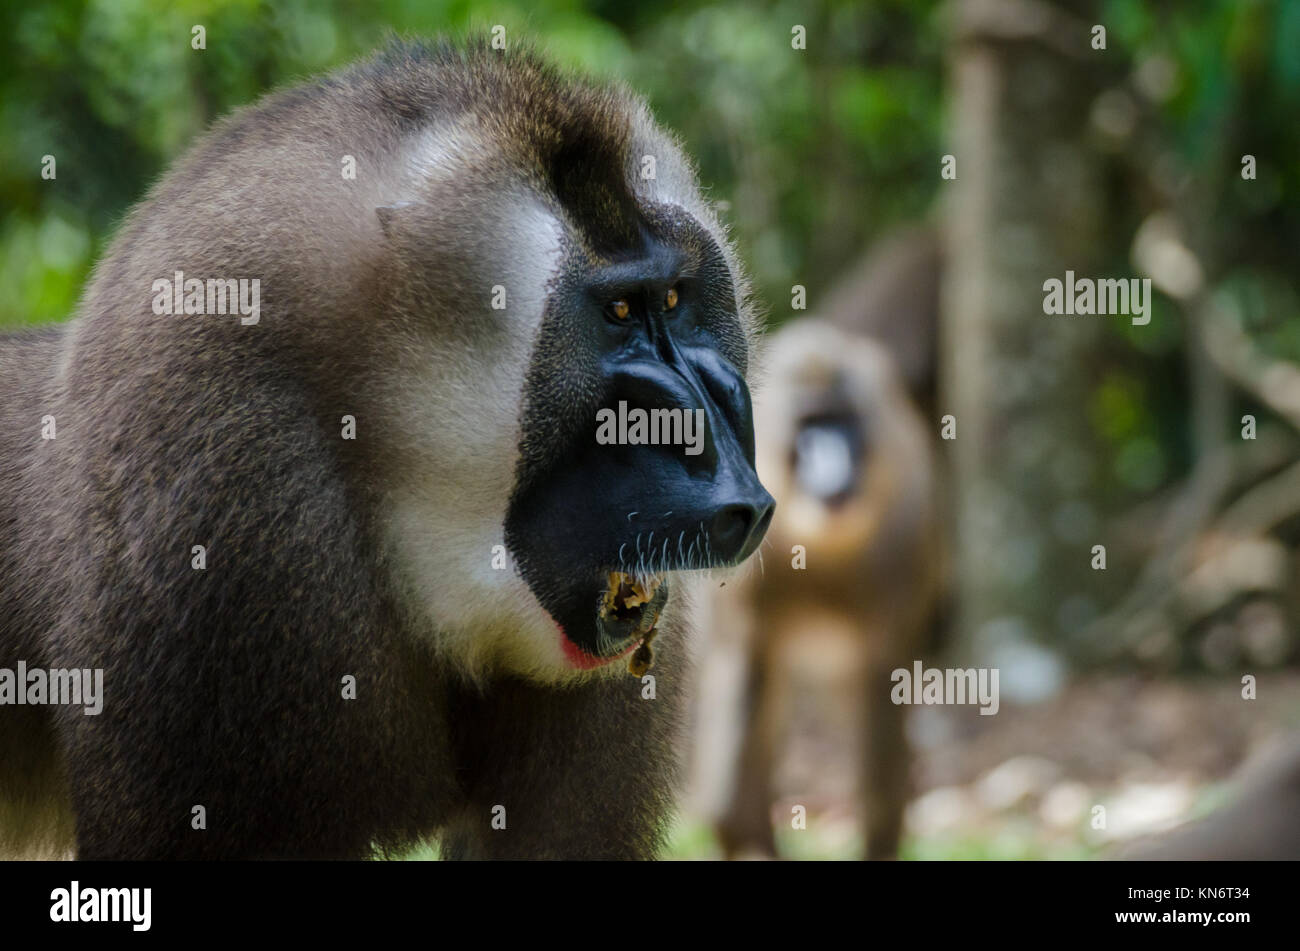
{"x": 736, "y": 530}
{"x": 731, "y": 525}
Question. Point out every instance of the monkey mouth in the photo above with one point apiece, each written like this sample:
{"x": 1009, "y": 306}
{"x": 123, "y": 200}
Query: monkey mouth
{"x": 626, "y": 611}
{"x": 628, "y": 598}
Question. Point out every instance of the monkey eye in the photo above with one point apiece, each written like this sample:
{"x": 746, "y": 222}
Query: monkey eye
{"x": 618, "y": 309}
{"x": 670, "y": 299}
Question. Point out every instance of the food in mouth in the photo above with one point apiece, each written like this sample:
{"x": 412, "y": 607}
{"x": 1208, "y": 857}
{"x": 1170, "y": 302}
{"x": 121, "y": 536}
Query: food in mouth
{"x": 630, "y": 607}
{"x": 644, "y": 657}
{"x": 624, "y": 593}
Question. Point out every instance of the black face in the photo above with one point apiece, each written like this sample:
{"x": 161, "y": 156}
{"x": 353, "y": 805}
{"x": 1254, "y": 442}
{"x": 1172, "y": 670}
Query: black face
{"x": 600, "y": 512}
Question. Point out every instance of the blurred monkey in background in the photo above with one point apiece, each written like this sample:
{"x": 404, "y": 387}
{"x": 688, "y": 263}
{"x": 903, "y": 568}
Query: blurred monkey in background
{"x": 892, "y": 295}
{"x": 851, "y": 573}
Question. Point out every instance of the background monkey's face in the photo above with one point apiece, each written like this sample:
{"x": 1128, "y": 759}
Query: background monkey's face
{"x": 833, "y": 443}
{"x": 536, "y": 522}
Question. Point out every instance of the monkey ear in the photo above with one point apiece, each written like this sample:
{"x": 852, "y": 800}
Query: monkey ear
{"x": 388, "y": 215}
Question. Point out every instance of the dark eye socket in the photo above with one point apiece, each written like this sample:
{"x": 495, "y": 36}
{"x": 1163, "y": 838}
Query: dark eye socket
{"x": 620, "y": 309}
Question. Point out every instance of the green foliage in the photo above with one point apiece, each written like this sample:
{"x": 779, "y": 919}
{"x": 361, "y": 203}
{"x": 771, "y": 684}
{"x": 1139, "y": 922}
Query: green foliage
{"x": 1212, "y": 82}
{"x": 811, "y": 151}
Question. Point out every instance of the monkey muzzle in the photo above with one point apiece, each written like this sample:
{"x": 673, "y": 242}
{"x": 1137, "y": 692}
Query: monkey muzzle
{"x": 599, "y": 527}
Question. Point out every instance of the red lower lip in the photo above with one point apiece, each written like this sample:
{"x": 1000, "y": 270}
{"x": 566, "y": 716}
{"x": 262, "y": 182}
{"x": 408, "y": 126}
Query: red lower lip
{"x": 581, "y": 660}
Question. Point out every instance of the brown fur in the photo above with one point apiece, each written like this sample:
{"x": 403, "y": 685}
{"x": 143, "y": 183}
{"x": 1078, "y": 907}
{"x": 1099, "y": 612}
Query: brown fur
{"x": 892, "y": 296}
{"x": 223, "y": 687}
{"x": 872, "y": 576}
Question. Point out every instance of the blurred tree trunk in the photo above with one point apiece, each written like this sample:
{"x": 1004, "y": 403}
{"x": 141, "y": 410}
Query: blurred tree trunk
{"x": 1026, "y": 206}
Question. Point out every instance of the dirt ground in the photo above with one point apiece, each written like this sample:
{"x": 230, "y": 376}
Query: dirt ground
{"x": 1107, "y": 759}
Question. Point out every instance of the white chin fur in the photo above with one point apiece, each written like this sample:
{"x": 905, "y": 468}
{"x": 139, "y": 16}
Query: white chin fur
{"x": 483, "y": 620}
{"x": 453, "y": 436}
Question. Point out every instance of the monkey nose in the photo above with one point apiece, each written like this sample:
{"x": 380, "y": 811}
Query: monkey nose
{"x": 737, "y": 528}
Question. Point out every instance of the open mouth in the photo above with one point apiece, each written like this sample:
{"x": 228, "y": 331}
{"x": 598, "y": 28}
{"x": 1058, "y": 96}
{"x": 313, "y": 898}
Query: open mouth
{"x": 631, "y": 600}
{"x": 626, "y": 612}
{"x": 828, "y": 455}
